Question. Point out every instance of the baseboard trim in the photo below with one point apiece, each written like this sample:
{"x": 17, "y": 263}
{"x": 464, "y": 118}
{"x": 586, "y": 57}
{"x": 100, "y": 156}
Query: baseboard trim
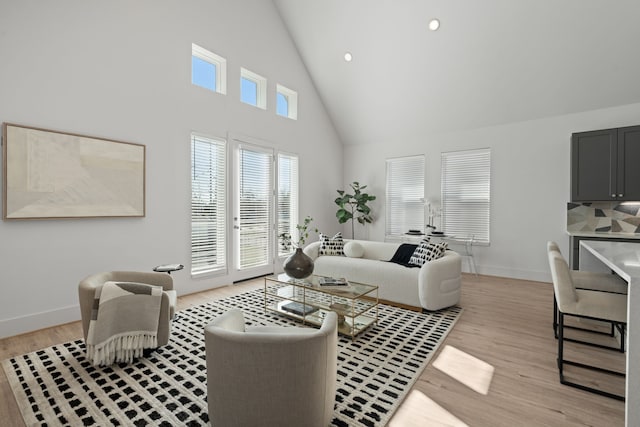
{"x": 36, "y": 321}
{"x": 536, "y": 276}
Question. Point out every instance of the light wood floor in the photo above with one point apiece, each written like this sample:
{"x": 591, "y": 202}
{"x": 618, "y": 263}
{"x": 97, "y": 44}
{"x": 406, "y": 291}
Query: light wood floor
{"x": 506, "y": 323}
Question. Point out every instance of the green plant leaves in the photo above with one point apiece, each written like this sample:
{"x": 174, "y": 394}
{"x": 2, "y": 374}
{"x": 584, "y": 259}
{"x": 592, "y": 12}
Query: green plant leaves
{"x": 354, "y": 205}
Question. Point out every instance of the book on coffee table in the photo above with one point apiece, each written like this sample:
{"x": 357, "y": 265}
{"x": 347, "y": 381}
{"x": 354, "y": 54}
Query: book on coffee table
{"x": 299, "y": 308}
{"x": 332, "y": 281}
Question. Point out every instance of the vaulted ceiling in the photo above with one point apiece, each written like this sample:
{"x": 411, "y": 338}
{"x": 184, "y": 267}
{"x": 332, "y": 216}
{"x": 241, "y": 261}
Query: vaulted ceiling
{"x": 491, "y": 62}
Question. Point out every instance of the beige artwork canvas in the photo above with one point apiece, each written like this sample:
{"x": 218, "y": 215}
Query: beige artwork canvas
{"x": 50, "y": 174}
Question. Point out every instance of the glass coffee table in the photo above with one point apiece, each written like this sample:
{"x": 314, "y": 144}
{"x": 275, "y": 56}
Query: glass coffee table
{"x": 308, "y": 301}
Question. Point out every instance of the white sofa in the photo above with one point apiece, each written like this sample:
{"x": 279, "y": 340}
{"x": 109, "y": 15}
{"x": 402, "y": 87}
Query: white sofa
{"x": 433, "y": 286}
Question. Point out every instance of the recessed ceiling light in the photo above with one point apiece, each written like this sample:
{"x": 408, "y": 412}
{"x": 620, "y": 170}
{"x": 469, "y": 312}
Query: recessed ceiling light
{"x": 434, "y": 24}
{"x": 348, "y": 57}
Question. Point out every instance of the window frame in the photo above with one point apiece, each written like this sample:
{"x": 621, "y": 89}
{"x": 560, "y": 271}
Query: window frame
{"x": 292, "y": 101}
{"x": 414, "y": 206}
{"x": 476, "y": 164}
{"x": 221, "y": 207}
{"x": 216, "y": 60}
{"x": 261, "y": 88}
{"x": 294, "y": 201}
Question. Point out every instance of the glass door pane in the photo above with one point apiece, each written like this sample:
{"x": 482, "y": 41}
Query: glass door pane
{"x": 253, "y": 221}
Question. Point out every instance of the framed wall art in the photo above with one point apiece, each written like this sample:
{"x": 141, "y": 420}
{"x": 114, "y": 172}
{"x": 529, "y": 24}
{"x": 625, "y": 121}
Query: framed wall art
{"x": 49, "y": 174}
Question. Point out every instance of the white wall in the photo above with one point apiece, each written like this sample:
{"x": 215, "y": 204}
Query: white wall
{"x": 121, "y": 70}
{"x": 530, "y": 183}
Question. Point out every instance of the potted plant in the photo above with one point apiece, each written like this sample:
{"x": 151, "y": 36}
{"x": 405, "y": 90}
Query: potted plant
{"x": 354, "y": 206}
{"x": 286, "y": 240}
{"x": 298, "y": 265}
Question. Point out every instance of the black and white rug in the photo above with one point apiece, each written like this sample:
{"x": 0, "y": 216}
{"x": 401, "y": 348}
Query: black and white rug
{"x": 58, "y": 386}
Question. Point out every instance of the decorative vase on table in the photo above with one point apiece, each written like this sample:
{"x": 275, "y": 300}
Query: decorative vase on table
{"x": 298, "y": 265}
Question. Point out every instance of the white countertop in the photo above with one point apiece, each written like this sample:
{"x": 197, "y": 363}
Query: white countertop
{"x": 604, "y": 234}
{"x": 621, "y": 257}
{"x": 624, "y": 259}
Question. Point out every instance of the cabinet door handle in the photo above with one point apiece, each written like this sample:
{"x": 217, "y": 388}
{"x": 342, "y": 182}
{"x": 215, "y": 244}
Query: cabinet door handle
{"x": 620, "y": 195}
{"x": 613, "y": 195}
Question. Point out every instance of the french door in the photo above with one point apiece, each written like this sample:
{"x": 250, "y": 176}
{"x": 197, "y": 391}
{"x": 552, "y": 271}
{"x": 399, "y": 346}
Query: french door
{"x": 265, "y": 205}
{"x": 253, "y": 211}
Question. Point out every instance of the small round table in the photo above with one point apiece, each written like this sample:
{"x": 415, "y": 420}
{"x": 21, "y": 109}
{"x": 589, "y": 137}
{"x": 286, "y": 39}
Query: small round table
{"x": 168, "y": 268}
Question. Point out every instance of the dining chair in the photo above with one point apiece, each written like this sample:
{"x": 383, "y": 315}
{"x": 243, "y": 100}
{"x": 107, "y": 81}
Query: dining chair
{"x": 585, "y": 304}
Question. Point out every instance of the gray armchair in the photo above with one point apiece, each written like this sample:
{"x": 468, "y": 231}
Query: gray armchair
{"x": 270, "y": 375}
{"x": 88, "y": 285}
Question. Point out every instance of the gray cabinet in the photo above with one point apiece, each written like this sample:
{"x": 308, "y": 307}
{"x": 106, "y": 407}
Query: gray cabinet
{"x": 605, "y": 165}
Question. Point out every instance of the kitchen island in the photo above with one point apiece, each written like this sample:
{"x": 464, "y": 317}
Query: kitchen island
{"x": 624, "y": 259}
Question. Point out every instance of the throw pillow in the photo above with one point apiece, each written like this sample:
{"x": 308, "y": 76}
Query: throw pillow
{"x": 426, "y": 252}
{"x": 404, "y": 253}
{"x": 353, "y": 250}
{"x": 331, "y": 245}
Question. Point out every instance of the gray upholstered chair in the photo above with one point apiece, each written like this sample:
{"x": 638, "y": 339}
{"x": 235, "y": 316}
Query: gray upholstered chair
{"x": 88, "y": 285}
{"x": 270, "y": 375}
{"x": 603, "y": 282}
{"x": 586, "y": 304}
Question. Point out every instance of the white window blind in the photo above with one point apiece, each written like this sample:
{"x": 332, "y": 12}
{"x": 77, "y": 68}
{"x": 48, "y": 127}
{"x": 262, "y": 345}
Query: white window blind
{"x": 404, "y": 195}
{"x": 208, "y": 205}
{"x": 466, "y": 194}
{"x": 256, "y": 194}
{"x": 287, "y": 199}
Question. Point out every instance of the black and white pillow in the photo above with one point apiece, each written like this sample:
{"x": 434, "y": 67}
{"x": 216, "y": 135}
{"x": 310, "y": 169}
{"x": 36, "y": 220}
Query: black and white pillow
{"x": 426, "y": 252}
{"x": 331, "y": 245}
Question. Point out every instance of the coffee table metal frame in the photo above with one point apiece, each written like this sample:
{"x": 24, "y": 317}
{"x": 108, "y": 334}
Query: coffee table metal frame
{"x": 358, "y": 301}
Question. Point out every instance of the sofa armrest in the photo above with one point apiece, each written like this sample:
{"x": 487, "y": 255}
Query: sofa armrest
{"x": 439, "y": 282}
{"x": 312, "y": 250}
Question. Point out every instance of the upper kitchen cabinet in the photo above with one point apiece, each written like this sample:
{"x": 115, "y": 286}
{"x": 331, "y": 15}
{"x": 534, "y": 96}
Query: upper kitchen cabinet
{"x": 605, "y": 165}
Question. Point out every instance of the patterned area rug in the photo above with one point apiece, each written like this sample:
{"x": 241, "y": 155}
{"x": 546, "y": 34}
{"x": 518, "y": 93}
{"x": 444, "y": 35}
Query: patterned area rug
{"x": 58, "y": 386}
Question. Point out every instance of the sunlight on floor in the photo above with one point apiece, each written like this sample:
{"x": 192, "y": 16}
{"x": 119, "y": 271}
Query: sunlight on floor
{"x": 418, "y": 410}
{"x": 470, "y": 371}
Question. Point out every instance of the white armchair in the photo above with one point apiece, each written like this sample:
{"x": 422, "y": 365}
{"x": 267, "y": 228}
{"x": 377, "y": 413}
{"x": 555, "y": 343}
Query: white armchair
{"x": 87, "y": 288}
{"x": 270, "y": 375}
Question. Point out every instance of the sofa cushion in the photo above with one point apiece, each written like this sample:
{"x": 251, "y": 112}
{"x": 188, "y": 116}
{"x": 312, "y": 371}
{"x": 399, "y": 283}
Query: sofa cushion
{"x": 331, "y": 245}
{"x": 353, "y": 250}
{"x": 396, "y": 283}
{"x": 426, "y": 252}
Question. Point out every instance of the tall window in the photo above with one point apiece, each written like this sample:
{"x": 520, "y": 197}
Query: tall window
{"x": 287, "y": 198}
{"x": 208, "y": 70}
{"x": 466, "y": 193}
{"x": 208, "y": 201}
{"x": 405, "y": 195}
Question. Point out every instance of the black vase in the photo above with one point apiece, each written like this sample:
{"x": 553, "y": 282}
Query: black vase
{"x": 298, "y": 265}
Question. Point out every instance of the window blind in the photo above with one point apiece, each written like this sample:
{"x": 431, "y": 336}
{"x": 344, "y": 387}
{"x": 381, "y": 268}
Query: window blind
{"x": 256, "y": 194}
{"x": 404, "y": 195}
{"x": 208, "y": 205}
{"x": 466, "y": 194}
{"x": 287, "y": 199}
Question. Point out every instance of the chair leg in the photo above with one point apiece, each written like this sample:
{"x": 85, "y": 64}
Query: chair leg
{"x": 561, "y": 362}
{"x": 555, "y": 316}
{"x": 560, "y": 335}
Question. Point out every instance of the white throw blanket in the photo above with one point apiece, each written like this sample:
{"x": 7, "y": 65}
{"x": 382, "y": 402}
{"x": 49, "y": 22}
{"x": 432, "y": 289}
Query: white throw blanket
{"x": 124, "y": 321}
